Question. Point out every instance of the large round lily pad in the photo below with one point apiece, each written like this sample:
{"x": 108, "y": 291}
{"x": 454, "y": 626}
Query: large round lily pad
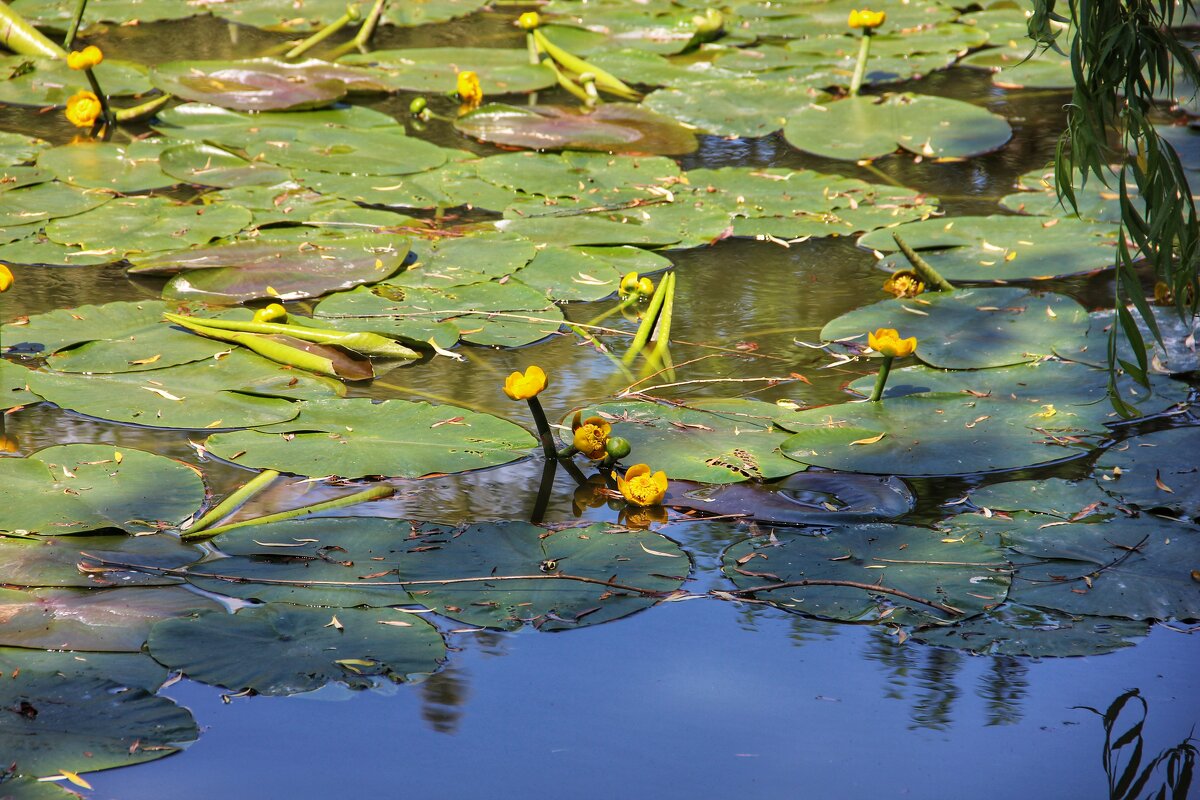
{"x": 135, "y": 670}
{"x": 611, "y": 127}
{"x": 46, "y": 201}
{"x": 966, "y": 575}
{"x": 46, "y": 561}
{"x": 971, "y": 328}
{"x": 869, "y": 127}
{"x": 298, "y": 649}
{"x": 746, "y": 107}
{"x": 236, "y": 391}
{"x": 73, "y": 488}
{"x": 54, "y": 722}
{"x": 929, "y": 434}
{"x": 1001, "y": 249}
{"x": 1155, "y": 471}
{"x": 207, "y": 165}
{"x": 373, "y": 151}
{"x": 435, "y": 69}
{"x": 131, "y": 225}
{"x": 262, "y": 84}
{"x": 355, "y": 438}
{"x": 103, "y": 165}
{"x": 1055, "y": 496}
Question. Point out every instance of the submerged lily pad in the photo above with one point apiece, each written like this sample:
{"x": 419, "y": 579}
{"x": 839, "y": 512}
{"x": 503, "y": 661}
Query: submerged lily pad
{"x": 436, "y": 69}
{"x": 358, "y": 437}
{"x": 869, "y": 127}
{"x": 298, "y": 649}
{"x": 971, "y": 328}
{"x": 611, "y": 127}
{"x": 262, "y": 84}
{"x": 966, "y": 575}
{"x": 74, "y": 488}
{"x": 1002, "y": 248}
{"x": 81, "y": 724}
{"x": 104, "y": 620}
{"x": 281, "y": 269}
{"x": 240, "y": 390}
{"x": 1155, "y": 471}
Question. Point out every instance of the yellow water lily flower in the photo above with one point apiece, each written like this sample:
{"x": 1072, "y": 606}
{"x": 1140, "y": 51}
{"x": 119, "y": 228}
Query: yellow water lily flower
{"x": 469, "y": 90}
{"x": 83, "y": 108}
{"x": 904, "y": 283}
{"x": 642, "y": 488}
{"x": 866, "y": 18}
{"x": 886, "y": 341}
{"x": 523, "y": 387}
{"x": 591, "y": 437}
{"x": 6, "y": 278}
{"x": 86, "y": 58}
{"x": 529, "y": 20}
{"x": 272, "y": 313}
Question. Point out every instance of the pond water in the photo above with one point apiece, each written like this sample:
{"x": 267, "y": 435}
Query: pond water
{"x": 686, "y": 699}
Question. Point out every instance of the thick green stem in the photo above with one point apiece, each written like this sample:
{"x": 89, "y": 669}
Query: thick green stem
{"x": 69, "y": 39}
{"x": 881, "y": 379}
{"x": 928, "y": 274}
{"x": 543, "y": 427}
{"x": 143, "y": 110}
{"x": 22, "y": 38}
{"x": 372, "y": 22}
{"x": 531, "y": 47}
{"x": 648, "y": 322}
{"x": 323, "y": 34}
{"x": 631, "y": 300}
{"x": 230, "y": 503}
{"x": 374, "y": 493}
{"x": 663, "y": 332}
{"x": 860, "y": 69}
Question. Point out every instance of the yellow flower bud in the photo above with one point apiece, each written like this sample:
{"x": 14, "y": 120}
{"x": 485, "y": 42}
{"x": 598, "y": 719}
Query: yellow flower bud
{"x": 866, "y": 19}
{"x": 629, "y": 284}
{"x": 641, "y": 488}
{"x": 886, "y": 341}
{"x": 529, "y": 20}
{"x": 86, "y": 58}
{"x": 523, "y": 387}
{"x": 271, "y": 313}
{"x": 469, "y": 90}
{"x": 83, "y": 108}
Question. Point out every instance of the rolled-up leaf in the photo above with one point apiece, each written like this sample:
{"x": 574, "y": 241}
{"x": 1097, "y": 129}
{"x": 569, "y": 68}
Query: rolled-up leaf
{"x": 604, "y": 80}
{"x": 366, "y": 343}
{"x": 319, "y": 358}
{"x": 19, "y": 36}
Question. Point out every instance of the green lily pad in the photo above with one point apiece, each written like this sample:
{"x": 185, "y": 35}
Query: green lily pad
{"x": 1002, "y": 248}
{"x": 206, "y": 165}
{"x": 435, "y": 69}
{"x": 240, "y": 390}
{"x": 610, "y": 127}
{"x": 26, "y": 788}
{"x": 928, "y": 434}
{"x": 285, "y": 204}
{"x": 667, "y": 224}
{"x": 806, "y": 498}
{"x": 102, "y": 165}
{"x": 492, "y": 313}
{"x": 298, "y": 649}
{"x": 222, "y": 127}
{"x": 50, "y": 82}
{"x": 971, "y": 328}
{"x": 134, "y": 670}
{"x": 15, "y": 178}
{"x": 356, "y": 438}
{"x": 372, "y": 151}
{"x": 1177, "y": 353}
{"x": 85, "y": 724}
{"x": 428, "y": 12}
{"x": 75, "y": 488}
{"x": 280, "y": 269}
{"x": 1054, "y": 496}
{"x": 17, "y": 148}
{"x": 712, "y": 442}
{"x": 967, "y": 575}
{"x": 1016, "y": 630}
{"x": 650, "y": 69}
{"x": 47, "y": 201}
{"x": 794, "y": 19}
{"x": 458, "y": 261}
{"x": 869, "y": 127}
{"x": 104, "y": 620}
{"x": 454, "y": 184}
{"x": 57, "y": 14}
{"x": 55, "y": 562}
{"x": 743, "y": 107}
{"x": 1016, "y": 65}
{"x": 1155, "y": 471}
{"x": 263, "y": 84}
{"x": 130, "y": 225}
{"x": 571, "y": 274}
{"x": 38, "y": 250}
{"x": 12, "y": 385}
{"x": 1096, "y": 201}
{"x": 591, "y": 178}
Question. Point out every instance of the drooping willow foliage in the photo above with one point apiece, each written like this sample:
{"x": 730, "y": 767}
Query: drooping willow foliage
{"x": 1124, "y": 53}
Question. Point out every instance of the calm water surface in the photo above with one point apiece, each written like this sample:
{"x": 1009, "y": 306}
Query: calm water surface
{"x": 692, "y": 699}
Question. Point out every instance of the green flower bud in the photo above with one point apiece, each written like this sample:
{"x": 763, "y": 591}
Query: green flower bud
{"x": 417, "y": 105}
{"x": 617, "y": 448}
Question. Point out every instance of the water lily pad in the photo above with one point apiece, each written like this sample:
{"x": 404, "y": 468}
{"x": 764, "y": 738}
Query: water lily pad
{"x": 1016, "y": 630}
{"x": 971, "y": 328}
{"x": 240, "y": 390}
{"x": 46, "y": 201}
{"x": 206, "y": 165}
{"x": 1155, "y": 471}
{"x": 264, "y": 267}
{"x": 435, "y": 69}
{"x": 743, "y": 107}
{"x": 38, "y": 250}
{"x": 104, "y": 620}
{"x": 610, "y": 127}
{"x": 298, "y": 649}
{"x": 927, "y": 434}
{"x": 55, "y": 561}
{"x": 1017, "y": 65}
{"x": 226, "y": 128}
{"x": 134, "y": 670}
{"x": 869, "y": 127}
{"x": 373, "y": 151}
{"x": 57, "y": 14}
{"x": 355, "y": 438}
{"x": 85, "y": 724}
{"x": 12, "y": 386}
{"x": 85, "y": 487}
{"x": 17, "y": 148}
{"x": 1055, "y": 496}
{"x": 1002, "y": 248}
{"x": 49, "y": 82}
{"x": 428, "y": 12}
{"x": 591, "y": 178}
{"x": 968, "y": 575}
{"x": 1177, "y": 353}
{"x": 129, "y": 225}
{"x": 672, "y": 224}
{"x": 1097, "y": 202}
{"x": 103, "y": 165}
{"x": 583, "y": 274}
{"x": 714, "y": 442}
{"x": 806, "y": 498}
{"x": 492, "y": 313}
{"x": 458, "y": 261}
{"x": 796, "y": 18}
{"x": 650, "y": 69}
{"x": 262, "y": 84}
{"x": 453, "y": 184}
{"x": 15, "y": 178}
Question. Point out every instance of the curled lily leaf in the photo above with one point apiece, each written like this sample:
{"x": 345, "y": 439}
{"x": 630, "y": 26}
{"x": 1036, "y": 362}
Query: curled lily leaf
{"x": 364, "y": 342}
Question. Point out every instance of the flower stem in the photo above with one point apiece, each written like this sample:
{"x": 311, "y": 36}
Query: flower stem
{"x": 110, "y": 121}
{"x": 881, "y": 380}
{"x": 860, "y": 69}
{"x": 543, "y": 427}
{"x": 231, "y": 503}
{"x": 80, "y": 5}
{"x": 352, "y": 14}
